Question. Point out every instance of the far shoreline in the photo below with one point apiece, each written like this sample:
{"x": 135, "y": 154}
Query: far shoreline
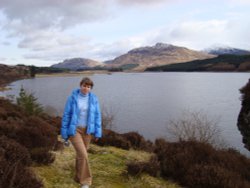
{"x": 4, "y": 84}
{"x": 66, "y": 74}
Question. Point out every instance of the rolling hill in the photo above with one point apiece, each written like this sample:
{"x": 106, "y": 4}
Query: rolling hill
{"x": 159, "y": 54}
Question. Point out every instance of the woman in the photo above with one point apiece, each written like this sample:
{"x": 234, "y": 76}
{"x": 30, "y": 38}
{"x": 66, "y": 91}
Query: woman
{"x": 81, "y": 119}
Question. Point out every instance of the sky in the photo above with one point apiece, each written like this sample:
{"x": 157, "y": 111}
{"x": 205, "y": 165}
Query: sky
{"x": 46, "y": 32}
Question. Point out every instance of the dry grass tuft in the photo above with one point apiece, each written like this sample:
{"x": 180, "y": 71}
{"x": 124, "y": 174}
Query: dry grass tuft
{"x": 108, "y": 166}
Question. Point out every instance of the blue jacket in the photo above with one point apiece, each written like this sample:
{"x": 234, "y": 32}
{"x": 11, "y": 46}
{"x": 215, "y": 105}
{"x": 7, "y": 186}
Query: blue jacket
{"x": 71, "y": 113}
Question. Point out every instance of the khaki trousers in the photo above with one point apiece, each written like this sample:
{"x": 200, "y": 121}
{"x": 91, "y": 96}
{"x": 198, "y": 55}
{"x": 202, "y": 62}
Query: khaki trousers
{"x": 81, "y": 143}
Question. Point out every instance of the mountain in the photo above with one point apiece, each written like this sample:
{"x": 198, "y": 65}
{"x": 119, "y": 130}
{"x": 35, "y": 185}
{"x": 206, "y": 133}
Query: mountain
{"x": 226, "y": 50}
{"x": 159, "y": 54}
{"x": 77, "y": 64}
{"x": 231, "y": 63}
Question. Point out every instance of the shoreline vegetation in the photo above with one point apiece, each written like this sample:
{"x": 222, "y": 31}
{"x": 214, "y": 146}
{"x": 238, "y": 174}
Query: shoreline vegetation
{"x": 30, "y": 143}
{"x": 9, "y": 74}
{"x": 244, "y": 115}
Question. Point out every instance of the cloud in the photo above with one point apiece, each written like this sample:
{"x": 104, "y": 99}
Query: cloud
{"x": 25, "y": 15}
{"x": 54, "y": 30}
{"x": 144, "y": 2}
{"x": 5, "y": 43}
{"x": 54, "y": 45}
{"x": 198, "y": 35}
{"x": 49, "y": 40}
{"x": 42, "y": 14}
{"x": 244, "y": 2}
{"x": 3, "y": 59}
{"x": 57, "y": 46}
{"x": 117, "y": 48}
{"x": 41, "y": 26}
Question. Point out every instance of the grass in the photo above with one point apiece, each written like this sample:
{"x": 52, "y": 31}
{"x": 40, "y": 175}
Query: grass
{"x": 108, "y": 165}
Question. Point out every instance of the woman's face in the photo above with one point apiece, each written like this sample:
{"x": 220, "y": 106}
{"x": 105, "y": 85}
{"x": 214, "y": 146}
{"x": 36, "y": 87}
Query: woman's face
{"x": 85, "y": 89}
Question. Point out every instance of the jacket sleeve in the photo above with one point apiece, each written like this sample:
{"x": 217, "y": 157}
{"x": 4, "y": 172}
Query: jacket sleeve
{"x": 98, "y": 121}
{"x": 66, "y": 118}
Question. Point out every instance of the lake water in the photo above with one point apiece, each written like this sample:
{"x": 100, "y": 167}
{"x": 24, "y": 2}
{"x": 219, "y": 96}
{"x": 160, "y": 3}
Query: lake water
{"x": 145, "y": 102}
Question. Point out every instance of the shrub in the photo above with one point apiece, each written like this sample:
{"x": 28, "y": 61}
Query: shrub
{"x": 196, "y": 126}
{"x": 42, "y": 155}
{"x": 196, "y": 164}
{"x": 207, "y": 176}
{"x": 39, "y": 137}
{"x": 13, "y": 161}
{"x": 108, "y": 117}
{"x": 9, "y": 128}
{"x": 29, "y": 103}
{"x": 244, "y": 115}
{"x": 135, "y": 168}
{"x": 125, "y": 141}
{"x": 53, "y": 121}
{"x": 110, "y": 138}
{"x": 152, "y": 167}
{"x": 46, "y": 131}
{"x": 3, "y": 113}
{"x": 8, "y": 106}
{"x": 137, "y": 141}
{"x": 32, "y": 132}
{"x": 245, "y": 97}
{"x": 23, "y": 139}
{"x": 14, "y": 152}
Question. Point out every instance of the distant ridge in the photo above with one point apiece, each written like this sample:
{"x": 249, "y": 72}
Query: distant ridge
{"x": 77, "y": 64}
{"x": 142, "y": 58}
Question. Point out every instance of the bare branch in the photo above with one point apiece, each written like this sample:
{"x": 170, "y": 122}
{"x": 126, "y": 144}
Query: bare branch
{"x": 196, "y": 126}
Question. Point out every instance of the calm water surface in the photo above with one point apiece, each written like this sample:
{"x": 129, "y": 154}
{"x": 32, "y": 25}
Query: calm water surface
{"x": 145, "y": 102}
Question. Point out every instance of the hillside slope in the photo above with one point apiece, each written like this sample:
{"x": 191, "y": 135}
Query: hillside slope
{"x": 11, "y": 73}
{"x": 160, "y": 54}
{"x": 232, "y": 63}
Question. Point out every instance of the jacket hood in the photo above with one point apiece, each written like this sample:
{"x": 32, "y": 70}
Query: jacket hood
{"x": 76, "y": 91}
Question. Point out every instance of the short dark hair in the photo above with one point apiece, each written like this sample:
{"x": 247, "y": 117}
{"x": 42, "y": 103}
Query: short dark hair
{"x": 87, "y": 81}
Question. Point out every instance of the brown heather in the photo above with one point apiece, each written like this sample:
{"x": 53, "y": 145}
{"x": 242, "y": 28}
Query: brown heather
{"x": 24, "y": 140}
{"x": 195, "y": 164}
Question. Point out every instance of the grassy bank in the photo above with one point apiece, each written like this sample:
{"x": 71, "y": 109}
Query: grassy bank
{"x": 74, "y": 73}
{"x": 108, "y": 166}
